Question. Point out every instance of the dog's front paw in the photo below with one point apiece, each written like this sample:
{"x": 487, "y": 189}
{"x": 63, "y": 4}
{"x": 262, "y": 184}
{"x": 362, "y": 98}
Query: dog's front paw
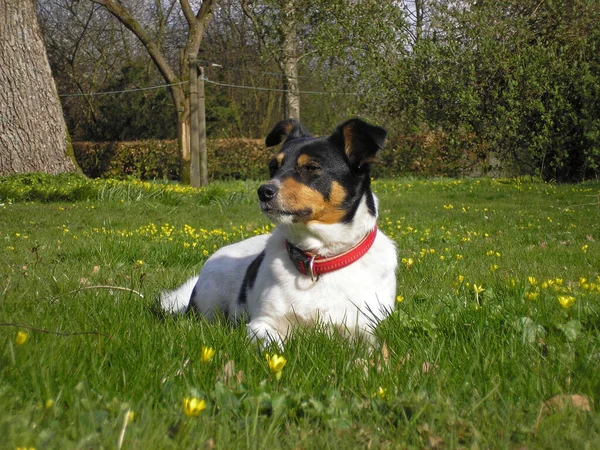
{"x": 262, "y": 332}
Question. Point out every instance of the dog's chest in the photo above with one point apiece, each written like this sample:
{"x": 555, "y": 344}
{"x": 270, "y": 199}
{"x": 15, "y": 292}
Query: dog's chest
{"x": 280, "y": 290}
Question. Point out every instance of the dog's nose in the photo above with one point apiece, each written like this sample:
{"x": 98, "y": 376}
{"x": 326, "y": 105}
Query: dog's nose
{"x": 266, "y": 192}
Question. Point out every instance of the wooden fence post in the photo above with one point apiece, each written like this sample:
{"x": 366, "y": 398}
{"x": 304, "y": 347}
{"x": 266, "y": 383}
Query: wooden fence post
{"x": 202, "y": 129}
{"x": 194, "y": 124}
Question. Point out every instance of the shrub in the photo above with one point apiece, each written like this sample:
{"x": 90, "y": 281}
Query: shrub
{"x": 431, "y": 153}
{"x": 426, "y": 152}
{"x": 152, "y": 159}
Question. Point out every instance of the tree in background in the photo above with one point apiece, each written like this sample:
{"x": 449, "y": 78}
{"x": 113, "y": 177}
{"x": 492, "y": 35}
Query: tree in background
{"x": 33, "y": 134}
{"x": 89, "y": 52}
{"x": 529, "y": 79}
{"x": 511, "y": 87}
{"x": 276, "y": 23}
{"x": 326, "y": 40}
{"x": 173, "y": 68}
{"x": 463, "y": 86}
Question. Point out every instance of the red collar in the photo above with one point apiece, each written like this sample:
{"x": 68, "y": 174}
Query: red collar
{"x": 314, "y": 265}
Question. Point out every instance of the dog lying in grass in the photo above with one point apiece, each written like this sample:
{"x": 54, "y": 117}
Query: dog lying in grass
{"x": 325, "y": 260}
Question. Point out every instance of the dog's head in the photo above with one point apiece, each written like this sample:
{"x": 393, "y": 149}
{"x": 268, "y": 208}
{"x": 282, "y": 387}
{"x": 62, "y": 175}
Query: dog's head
{"x": 320, "y": 179}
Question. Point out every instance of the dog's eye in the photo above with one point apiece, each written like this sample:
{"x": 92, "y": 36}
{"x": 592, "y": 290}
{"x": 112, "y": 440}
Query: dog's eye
{"x": 311, "y": 168}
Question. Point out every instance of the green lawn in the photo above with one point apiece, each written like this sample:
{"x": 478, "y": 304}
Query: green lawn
{"x": 498, "y": 312}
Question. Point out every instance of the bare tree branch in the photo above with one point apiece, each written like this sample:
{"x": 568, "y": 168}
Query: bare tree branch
{"x": 187, "y": 12}
{"x": 121, "y": 14}
{"x": 259, "y": 30}
{"x": 198, "y": 27}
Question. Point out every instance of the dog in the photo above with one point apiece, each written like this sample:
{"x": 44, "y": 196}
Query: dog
{"x": 326, "y": 260}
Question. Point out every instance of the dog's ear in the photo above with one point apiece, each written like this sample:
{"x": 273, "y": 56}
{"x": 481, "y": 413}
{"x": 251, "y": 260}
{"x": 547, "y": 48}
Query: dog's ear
{"x": 284, "y": 130}
{"x": 360, "y": 140}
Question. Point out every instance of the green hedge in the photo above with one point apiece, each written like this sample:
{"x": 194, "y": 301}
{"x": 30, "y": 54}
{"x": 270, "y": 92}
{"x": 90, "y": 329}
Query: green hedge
{"x": 152, "y": 159}
{"x": 432, "y": 153}
{"x": 426, "y": 153}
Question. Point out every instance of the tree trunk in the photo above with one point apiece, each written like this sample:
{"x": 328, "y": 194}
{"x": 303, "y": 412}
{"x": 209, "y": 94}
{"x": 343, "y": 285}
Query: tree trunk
{"x": 290, "y": 62}
{"x": 181, "y": 101}
{"x": 419, "y": 11}
{"x": 183, "y": 138}
{"x": 33, "y": 134}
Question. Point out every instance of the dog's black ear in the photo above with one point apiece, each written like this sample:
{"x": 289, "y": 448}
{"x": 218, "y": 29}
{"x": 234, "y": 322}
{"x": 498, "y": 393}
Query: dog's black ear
{"x": 360, "y": 140}
{"x": 284, "y": 130}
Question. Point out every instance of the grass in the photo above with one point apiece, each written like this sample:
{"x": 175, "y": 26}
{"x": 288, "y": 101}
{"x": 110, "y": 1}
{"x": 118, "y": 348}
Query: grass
{"x": 461, "y": 366}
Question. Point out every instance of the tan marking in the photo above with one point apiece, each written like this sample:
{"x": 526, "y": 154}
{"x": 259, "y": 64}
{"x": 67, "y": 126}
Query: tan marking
{"x": 334, "y": 212}
{"x": 303, "y": 160}
{"x": 295, "y": 196}
{"x": 369, "y": 160}
{"x": 348, "y": 135}
{"x": 348, "y": 139}
{"x": 287, "y": 129}
{"x": 279, "y": 158}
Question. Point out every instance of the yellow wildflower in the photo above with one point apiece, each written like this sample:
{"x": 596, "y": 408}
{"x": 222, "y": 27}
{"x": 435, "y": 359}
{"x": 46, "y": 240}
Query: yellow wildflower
{"x": 408, "y": 262}
{"x": 276, "y": 362}
{"x": 207, "y": 354}
{"x": 399, "y": 299}
{"x": 380, "y": 392}
{"x": 21, "y": 338}
{"x": 532, "y": 281}
{"x": 566, "y": 301}
{"x": 532, "y": 295}
{"x": 49, "y": 403}
{"x": 478, "y": 290}
{"x": 192, "y": 407}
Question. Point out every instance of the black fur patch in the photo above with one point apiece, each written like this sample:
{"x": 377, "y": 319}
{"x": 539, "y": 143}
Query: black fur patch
{"x": 190, "y": 307}
{"x": 250, "y": 278}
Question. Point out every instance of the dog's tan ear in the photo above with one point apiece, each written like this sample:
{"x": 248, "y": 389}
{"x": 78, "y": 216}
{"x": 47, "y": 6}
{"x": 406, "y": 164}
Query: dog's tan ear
{"x": 360, "y": 140}
{"x": 284, "y": 130}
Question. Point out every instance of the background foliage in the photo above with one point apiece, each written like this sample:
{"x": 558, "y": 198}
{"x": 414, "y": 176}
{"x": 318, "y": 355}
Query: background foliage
{"x": 512, "y": 85}
{"x": 425, "y": 153}
{"x": 151, "y": 159}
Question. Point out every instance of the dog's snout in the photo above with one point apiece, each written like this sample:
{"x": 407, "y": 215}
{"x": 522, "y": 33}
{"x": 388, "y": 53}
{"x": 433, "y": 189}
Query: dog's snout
{"x": 266, "y": 192}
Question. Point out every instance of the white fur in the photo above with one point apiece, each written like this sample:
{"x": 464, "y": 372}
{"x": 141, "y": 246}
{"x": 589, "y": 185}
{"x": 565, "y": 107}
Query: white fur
{"x": 356, "y": 297}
